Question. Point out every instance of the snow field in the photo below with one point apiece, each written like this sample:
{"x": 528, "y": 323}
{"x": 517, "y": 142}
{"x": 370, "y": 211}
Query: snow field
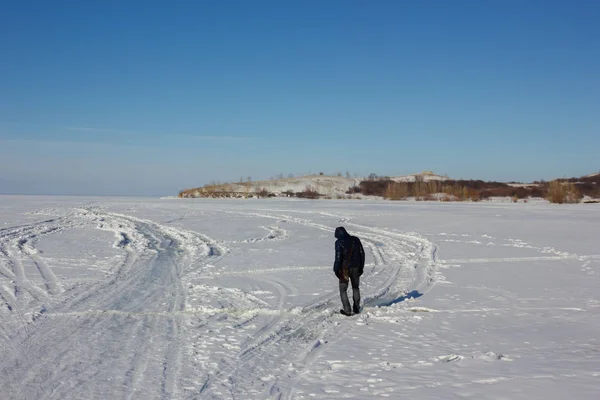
{"x": 105, "y": 298}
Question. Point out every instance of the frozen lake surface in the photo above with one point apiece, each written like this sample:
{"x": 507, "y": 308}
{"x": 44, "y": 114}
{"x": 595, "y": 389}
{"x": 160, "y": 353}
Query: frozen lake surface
{"x": 137, "y": 298}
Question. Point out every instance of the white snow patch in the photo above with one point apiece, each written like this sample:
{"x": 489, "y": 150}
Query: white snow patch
{"x": 142, "y": 298}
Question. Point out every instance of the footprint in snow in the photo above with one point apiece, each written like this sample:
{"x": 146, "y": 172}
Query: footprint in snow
{"x": 450, "y": 358}
{"x": 490, "y": 355}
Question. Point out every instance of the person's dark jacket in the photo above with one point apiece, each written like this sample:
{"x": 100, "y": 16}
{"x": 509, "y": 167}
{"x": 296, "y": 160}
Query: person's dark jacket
{"x": 344, "y": 243}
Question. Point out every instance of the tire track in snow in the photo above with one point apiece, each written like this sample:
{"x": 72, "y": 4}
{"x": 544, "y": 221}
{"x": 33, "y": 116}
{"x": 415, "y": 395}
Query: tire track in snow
{"x": 517, "y": 259}
{"x": 89, "y": 346}
{"x": 8, "y": 298}
{"x": 275, "y": 233}
{"x": 383, "y": 245}
{"x": 118, "y": 306}
{"x": 402, "y": 262}
{"x": 21, "y": 240}
{"x": 52, "y": 284}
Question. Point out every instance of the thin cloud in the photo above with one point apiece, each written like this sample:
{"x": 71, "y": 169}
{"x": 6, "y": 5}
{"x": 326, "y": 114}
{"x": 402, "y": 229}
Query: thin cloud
{"x": 217, "y": 138}
{"x": 38, "y": 125}
{"x": 214, "y": 138}
{"x": 181, "y": 141}
{"x": 98, "y": 130}
{"x": 69, "y": 142}
{"x": 94, "y": 134}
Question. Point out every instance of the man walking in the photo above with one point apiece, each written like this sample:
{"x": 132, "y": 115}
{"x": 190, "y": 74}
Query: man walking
{"x": 348, "y": 266}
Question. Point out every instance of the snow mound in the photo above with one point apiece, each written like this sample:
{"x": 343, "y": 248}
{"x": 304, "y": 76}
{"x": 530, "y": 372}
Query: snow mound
{"x": 425, "y": 175}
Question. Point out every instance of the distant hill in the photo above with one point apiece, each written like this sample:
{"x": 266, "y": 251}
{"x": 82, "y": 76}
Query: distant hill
{"x": 324, "y": 185}
{"x": 425, "y": 175}
{"x": 420, "y": 186}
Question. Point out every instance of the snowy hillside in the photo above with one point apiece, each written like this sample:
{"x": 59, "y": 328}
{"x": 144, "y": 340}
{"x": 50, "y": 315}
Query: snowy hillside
{"x": 331, "y": 186}
{"x": 327, "y": 186}
{"x": 426, "y": 176}
{"x": 114, "y": 298}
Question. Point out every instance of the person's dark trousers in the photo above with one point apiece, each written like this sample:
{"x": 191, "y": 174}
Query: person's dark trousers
{"x": 354, "y": 279}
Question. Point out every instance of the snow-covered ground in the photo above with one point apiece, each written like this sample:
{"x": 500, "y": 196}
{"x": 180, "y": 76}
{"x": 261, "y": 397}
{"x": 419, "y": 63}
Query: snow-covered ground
{"x": 126, "y": 298}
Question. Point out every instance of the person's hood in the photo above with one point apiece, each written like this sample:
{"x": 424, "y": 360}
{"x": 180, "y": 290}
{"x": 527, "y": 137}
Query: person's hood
{"x": 340, "y": 232}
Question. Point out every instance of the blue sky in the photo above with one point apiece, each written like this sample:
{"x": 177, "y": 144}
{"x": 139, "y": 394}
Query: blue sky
{"x": 147, "y": 98}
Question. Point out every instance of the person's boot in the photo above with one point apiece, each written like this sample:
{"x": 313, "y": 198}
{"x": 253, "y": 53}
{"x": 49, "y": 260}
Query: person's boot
{"x": 356, "y": 309}
{"x": 347, "y": 314}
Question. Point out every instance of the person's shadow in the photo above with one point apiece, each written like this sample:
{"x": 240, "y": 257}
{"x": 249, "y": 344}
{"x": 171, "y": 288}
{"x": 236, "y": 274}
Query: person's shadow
{"x": 386, "y": 303}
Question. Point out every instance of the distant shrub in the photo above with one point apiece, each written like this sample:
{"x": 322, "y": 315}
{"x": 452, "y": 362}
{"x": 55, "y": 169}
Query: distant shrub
{"x": 397, "y": 191}
{"x": 473, "y": 194}
{"x": 263, "y": 193}
{"x": 563, "y": 192}
{"x": 556, "y": 193}
{"x": 454, "y": 192}
{"x": 308, "y": 193}
{"x": 585, "y": 185}
{"x": 537, "y": 191}
{"x": 476, "y": 184}
{"x": 510, "y": 191}
{"x": 419, "y": 188}
{"x": 374, "y": 187}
